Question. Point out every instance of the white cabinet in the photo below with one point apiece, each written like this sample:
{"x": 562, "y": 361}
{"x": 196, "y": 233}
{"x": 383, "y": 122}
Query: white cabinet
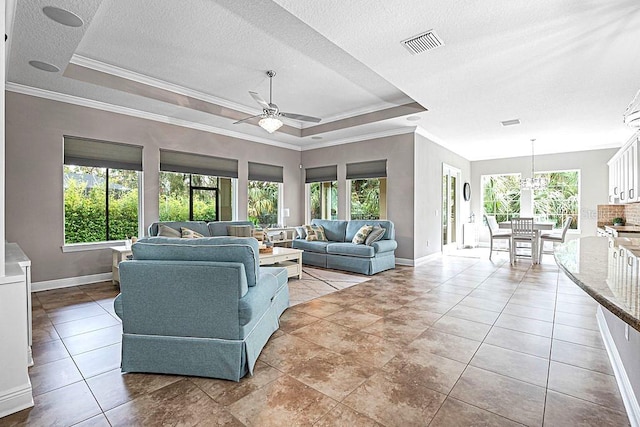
{"x": 624, "y": 174}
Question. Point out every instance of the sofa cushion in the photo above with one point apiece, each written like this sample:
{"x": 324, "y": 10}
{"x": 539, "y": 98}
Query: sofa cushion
{"x": 350, "y": 249}
{"x": 334, "y": 229}
{"x": 305, "y": 245}
{"x": 223, "y": 249}
{"x": 302, "y": 232}
{"x": 362, "y": 234}
{"x": 377, "y": 233}
{"x": 188, "y": 233}
{"x": 315, "y": 233}
{"x": 166, "y": 231}
{"x": 197, "y": 226}
{"x": 219, "y": 228}
{"x": 354, "y": 225}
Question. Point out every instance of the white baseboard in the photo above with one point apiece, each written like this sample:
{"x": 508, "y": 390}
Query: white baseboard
{"x": 70, "y": 281}
{"x": 628, "y": 396}
{"x": 16, "y": 399}
{"x": 418, "y": 261}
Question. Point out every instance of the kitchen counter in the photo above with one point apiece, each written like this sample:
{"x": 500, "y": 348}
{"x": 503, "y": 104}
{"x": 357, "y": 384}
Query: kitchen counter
{"x": 587, "y": 262}
{"x": 624, "y": 228}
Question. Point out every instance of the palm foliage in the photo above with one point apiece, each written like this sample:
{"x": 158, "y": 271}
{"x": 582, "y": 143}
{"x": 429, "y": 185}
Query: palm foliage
{"x": 263, "y": 203}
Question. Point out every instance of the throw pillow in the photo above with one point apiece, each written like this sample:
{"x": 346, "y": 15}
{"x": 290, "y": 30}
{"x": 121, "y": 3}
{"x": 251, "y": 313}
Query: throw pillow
{"x": 189, "y": 234}
{"x": 166, "y": 231}
{"x": 302, "y": 234}
{"x": 239, "y": 230}
{"x": 315, "y": 233}
{"x": 376, "y": 234}
{"x": 362, "y": 234}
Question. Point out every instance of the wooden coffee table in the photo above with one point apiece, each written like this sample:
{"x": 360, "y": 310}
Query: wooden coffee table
{"x": 289, "y": 258}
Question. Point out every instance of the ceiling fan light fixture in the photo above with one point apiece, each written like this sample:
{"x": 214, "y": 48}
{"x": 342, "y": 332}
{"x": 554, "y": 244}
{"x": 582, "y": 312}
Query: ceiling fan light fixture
{"x": 270, "y": 124}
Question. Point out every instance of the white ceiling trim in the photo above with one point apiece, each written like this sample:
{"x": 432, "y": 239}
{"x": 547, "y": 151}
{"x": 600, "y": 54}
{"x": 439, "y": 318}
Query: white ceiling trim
{"x": 164, "y": 85}
{"x": 99, "y": 105}
{"x": 365, "y": 137}
{"x": 353, "y": 113}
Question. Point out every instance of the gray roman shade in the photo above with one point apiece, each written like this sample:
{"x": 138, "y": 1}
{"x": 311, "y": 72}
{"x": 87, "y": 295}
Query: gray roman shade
{"x": 262, "y": 172}
{"x": 175, "y": 161}
{"x": 363, "y": 170}
{"x": 101, "y": 154}
{"x": 322, "y": 174}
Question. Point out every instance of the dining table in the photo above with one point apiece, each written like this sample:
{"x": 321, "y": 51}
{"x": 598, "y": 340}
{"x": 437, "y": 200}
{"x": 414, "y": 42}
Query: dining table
{"x": 537, "y": 227}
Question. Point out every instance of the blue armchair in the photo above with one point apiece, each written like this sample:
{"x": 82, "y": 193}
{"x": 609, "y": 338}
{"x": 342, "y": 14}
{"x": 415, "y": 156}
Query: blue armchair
{"x": 199, "y": 307}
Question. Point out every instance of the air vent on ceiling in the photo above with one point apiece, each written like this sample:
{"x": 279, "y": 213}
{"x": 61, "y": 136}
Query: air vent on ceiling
{"x": 511, "y": 122}
{"x": 422, "y": 42}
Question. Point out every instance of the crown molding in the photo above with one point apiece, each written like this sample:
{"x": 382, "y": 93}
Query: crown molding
{"x": 364, "y": 137}
{"x": 99, "y": 105}
{"x": 123, "y": 73}
{"x": 372, "y": 108}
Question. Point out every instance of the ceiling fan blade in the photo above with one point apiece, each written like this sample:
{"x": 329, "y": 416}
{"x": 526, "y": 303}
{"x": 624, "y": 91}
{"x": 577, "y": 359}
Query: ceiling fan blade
{"x": 248, "y": 118}
{"x": 302, "y": 117}
{"x": 260, "y": 100}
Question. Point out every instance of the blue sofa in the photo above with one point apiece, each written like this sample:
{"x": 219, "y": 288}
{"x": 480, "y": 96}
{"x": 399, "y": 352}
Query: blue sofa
{"x": 207, "y": 229}
{"x": 339, "y": 253}
{"x": 201, "y": 307}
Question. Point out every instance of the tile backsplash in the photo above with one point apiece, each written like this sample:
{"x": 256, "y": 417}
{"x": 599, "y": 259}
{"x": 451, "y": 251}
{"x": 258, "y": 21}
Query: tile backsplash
{"x": 630, "y": 213}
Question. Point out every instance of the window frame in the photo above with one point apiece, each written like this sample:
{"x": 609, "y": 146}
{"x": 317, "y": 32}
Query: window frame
{"x": 279, "y": 201}
{"x": 103, "y": 244}
{"x": 216, "y": 189}
{"x": 518, "y": 176}
{"x": 380, "y": 203}
{"x": 308, "y": 198}
{"x": 576, "y": 217}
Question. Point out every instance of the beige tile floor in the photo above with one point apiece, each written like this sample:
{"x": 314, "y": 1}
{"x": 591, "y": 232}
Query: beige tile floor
{"x": 458, "y": 341}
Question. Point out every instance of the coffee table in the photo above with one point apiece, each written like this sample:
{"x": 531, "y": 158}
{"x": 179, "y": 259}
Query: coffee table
{"x": 289, "y": 258}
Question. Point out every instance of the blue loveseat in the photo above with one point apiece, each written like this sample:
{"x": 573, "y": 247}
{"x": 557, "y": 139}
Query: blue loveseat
{"x": 199, "y": 307}
{"x": 339, "y": 253}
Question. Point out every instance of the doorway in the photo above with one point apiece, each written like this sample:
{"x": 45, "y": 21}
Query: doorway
{"x": 450, "y": 207}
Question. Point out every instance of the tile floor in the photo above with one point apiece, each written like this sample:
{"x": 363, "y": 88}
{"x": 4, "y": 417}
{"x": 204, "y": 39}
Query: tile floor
{"x": 458, "y": 341}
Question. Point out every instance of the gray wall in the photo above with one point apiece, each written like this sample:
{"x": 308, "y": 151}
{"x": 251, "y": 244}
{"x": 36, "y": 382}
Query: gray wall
{"x": 34, "y": 191}
{"x": 398, "y": 150}
{"x": 594, "y": 178}
{"x": 429, "y": 159}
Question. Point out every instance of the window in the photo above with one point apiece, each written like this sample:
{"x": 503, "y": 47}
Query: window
{"x": 101, "y": 190}
{"x": 368, "y": 198}
{"x": 322, "y": 192}
{"x": 323, "y": 200}
{"x": 501, "y": 196}
{"x": 193, "y": 197}
{"x": 195, "y": 187}
{"x": 265, "y": 183}
{"x": 560, "y": 199}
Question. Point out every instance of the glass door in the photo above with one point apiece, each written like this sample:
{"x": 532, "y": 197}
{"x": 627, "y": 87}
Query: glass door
{"x": 450, "y": 207}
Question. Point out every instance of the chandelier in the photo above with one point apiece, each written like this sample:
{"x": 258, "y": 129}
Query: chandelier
{"x": 533, "y": 183}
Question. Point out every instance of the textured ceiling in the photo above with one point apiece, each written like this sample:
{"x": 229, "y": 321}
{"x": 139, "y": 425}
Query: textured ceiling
{"x": 565, "y": 68}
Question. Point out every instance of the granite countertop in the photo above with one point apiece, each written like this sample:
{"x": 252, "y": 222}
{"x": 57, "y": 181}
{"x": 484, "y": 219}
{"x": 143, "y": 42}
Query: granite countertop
{"x": 587, "y": 263}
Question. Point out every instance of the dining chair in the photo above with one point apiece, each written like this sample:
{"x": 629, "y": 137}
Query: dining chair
{"x": 496, "y": 233}
{"x": 554, "y": 236}
{"x": 522, "y": 231}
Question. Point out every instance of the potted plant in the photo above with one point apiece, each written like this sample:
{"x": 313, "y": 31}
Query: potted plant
{"x": 618, "y": 221}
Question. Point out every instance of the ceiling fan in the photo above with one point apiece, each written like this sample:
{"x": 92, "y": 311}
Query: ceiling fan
{"x": 270, "y": 112}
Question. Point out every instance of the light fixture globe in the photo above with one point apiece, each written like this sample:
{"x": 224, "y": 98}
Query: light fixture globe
{"x": 270, "y": 124}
